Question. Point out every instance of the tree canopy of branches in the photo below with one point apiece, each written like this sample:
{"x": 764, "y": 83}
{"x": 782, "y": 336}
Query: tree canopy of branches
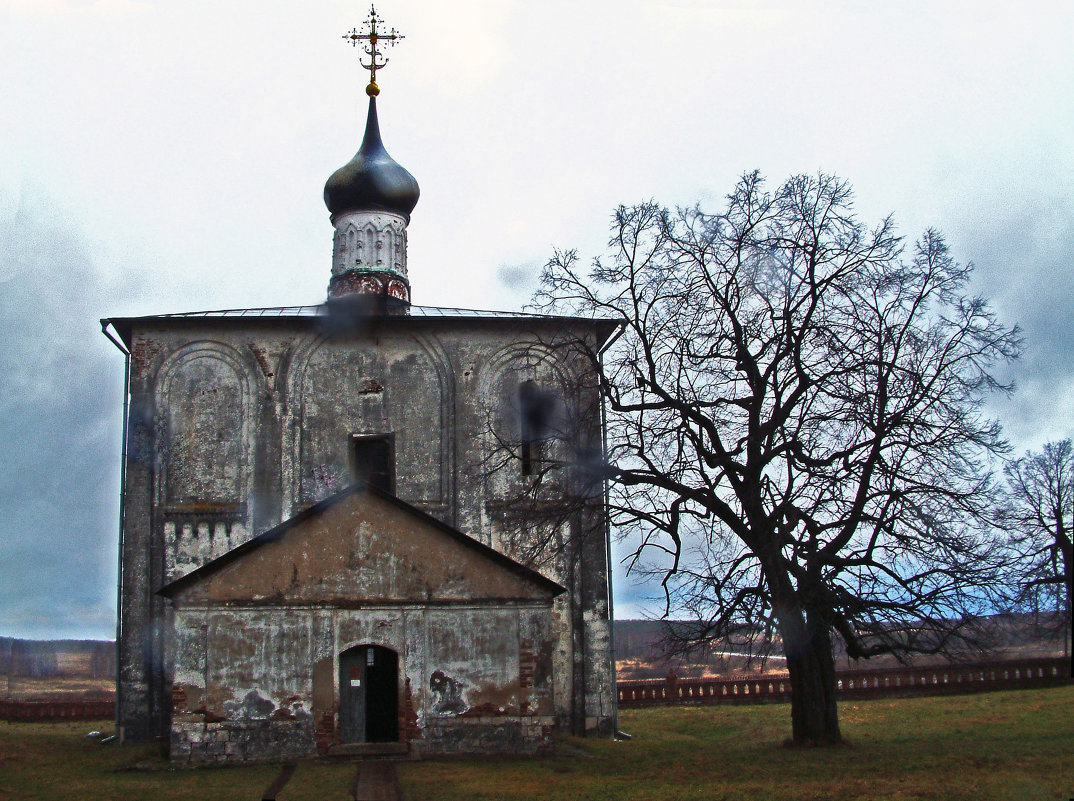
{"x": 1037, "y": 513}
{"x": 794, "y": 422}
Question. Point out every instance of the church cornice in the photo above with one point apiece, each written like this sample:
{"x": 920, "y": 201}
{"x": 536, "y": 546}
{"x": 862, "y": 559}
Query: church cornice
{"x": 314, "y": 315}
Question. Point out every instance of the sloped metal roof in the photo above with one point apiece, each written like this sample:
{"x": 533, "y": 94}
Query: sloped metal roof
{"x": 122, "y": 326}
{"x": 322, "y": 310}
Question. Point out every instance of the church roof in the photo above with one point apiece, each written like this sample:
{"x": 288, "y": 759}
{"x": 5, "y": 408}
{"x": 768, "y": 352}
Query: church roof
{"x": 402, "y": 537}
{"x": 603, "y": 326}
{"x": 321, "y": 310}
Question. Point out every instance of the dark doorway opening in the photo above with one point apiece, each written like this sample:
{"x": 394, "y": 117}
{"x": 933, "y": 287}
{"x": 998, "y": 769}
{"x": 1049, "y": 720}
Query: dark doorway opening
{"x": 373, "y": 461}
{"x": 369, "y": 695}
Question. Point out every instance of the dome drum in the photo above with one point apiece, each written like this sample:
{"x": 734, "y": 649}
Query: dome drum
{"x": 369, "y": 242}
{"x": 390, "y": 292}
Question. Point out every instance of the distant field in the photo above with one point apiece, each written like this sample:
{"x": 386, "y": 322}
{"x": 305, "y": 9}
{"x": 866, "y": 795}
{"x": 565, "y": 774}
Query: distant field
{"x": 57, "y": 688}
{"x": 1004, "y": 745}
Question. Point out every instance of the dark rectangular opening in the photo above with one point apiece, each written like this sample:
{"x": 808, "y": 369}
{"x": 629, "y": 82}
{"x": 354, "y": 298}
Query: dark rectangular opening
{"x": 527, "y": 458}
{"x": 373, "y": 461}
{"x": 536, "y": 410}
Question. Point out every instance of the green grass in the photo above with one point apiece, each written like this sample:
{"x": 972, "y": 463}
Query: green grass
{"x": 1005, "y": 745}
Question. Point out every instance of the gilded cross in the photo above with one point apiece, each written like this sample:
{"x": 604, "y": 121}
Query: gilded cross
{"x": 371, "y": 38}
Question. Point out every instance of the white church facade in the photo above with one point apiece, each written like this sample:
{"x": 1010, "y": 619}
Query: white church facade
{"x": 328, "y": 540}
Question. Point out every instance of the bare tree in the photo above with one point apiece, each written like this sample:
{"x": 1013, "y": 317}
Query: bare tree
{"x": 1037, "y": 513}
{"x": 794, "y": 428}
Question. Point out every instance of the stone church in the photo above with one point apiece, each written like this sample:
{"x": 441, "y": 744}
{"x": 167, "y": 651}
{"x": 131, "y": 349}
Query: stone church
{"x": 329, "y": 539}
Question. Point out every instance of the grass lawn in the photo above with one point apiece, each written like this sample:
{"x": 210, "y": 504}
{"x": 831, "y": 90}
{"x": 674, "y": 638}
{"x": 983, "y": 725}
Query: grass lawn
{"x": 1003, "y": 745}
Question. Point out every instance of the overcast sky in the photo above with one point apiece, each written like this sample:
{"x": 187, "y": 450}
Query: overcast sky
{"x": 160, "y": 156}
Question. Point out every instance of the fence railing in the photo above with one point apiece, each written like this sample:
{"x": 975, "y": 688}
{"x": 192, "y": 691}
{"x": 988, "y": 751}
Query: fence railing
{"x": 56, "y": 710}
{"x": 975, "y": 677}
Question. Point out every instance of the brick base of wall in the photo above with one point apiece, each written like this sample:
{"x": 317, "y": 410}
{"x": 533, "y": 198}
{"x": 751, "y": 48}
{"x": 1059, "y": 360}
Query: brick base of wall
{"x": 197, "y": 742}
{"x": 57, "y": 710}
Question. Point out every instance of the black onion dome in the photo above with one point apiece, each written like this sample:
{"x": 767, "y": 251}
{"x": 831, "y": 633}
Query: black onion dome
{"x": 372, "y": 180}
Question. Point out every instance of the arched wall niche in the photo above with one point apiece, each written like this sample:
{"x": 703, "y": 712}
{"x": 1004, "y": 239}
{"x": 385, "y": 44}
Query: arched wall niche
{"x": 500, "y": 461}
{"x": 203, "y": 421}
{"x": 501, "y": 394}
{"x": 340, "y": 387}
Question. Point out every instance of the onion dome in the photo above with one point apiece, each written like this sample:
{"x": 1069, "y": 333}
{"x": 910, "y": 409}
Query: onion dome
{"x": 372, "y": 180}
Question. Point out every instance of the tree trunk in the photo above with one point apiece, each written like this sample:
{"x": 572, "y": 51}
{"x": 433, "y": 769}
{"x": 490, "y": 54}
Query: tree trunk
{"x": 807, "y": 644}
{"x": 1068, "y": 579}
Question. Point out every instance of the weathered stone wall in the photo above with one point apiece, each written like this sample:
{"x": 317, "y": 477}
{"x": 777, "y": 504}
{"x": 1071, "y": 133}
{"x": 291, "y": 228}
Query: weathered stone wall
{"x": 236, "y": 424}
{"x": 490, "y": 735}
{"x": 195, "y": 741}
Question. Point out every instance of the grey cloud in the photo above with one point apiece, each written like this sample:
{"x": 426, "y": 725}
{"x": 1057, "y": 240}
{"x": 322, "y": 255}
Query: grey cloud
{"x": 519, "y": 277}
{"x": 1024, "y": 266}
{"x": 60, "y": 418}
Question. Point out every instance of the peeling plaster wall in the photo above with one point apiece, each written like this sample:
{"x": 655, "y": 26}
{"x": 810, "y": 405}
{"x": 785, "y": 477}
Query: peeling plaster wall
{"x": 246, "y": 680}
{"x": 237, "y": 424}
{"x": 242, "y": 687}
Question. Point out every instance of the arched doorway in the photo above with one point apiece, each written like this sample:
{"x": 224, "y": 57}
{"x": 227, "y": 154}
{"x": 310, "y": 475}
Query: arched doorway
{"x": 369, "y": 695}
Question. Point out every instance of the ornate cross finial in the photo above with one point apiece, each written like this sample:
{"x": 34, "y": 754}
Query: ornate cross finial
{"x": 373, "y": 37}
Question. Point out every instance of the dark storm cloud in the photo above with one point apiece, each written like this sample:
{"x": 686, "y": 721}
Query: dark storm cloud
{"x": 60, "y": 410}
{"x": 1025, "y": 267}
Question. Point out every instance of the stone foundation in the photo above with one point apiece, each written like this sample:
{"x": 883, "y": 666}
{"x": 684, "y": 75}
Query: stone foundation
{"x": 196, "y": 742}
{"x": 229, "y": 742}
{"x": 530, "y": 736}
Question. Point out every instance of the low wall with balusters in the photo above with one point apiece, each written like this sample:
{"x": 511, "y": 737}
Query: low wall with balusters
{"x": 976, "y": 677}
{"x": 57, "y": 710}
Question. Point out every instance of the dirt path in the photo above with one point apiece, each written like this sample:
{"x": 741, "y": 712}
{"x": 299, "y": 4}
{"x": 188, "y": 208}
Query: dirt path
{"x": 375, "y": 780}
